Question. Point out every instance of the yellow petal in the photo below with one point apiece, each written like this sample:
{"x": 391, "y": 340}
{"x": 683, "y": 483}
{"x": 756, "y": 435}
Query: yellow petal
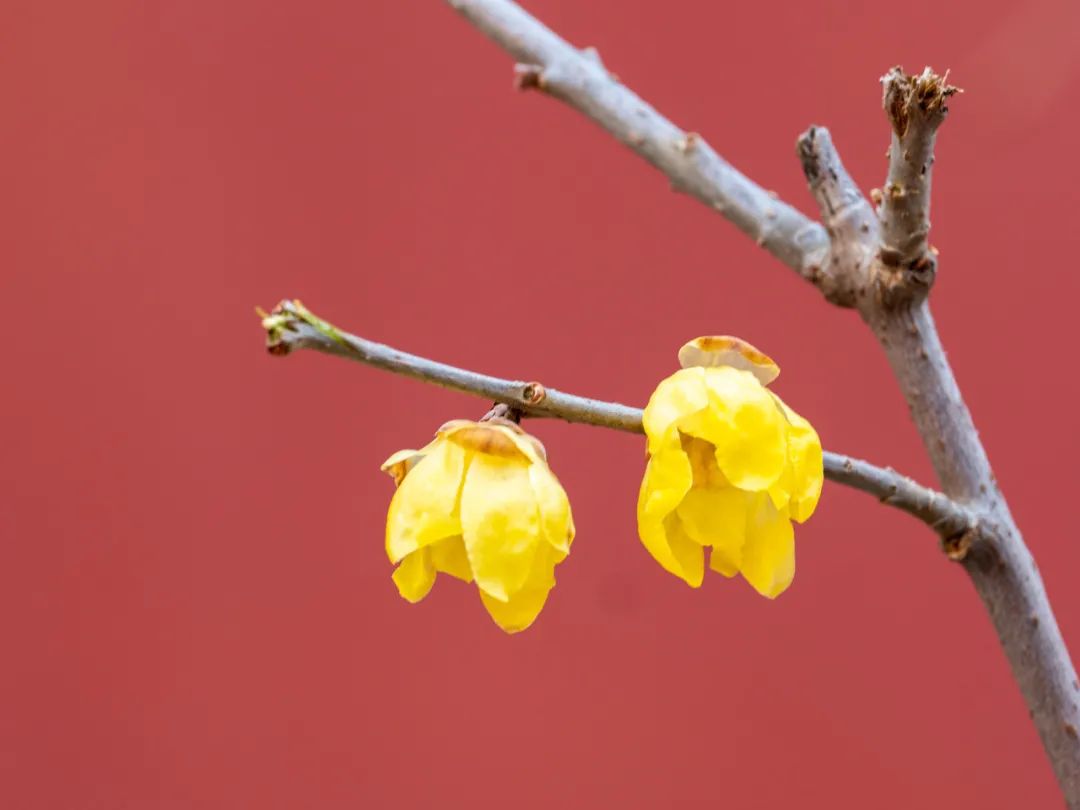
{"x": 805, "y": 461}
{"x": 415, "y": 575}
{"x": 572, "y": 531}
{"x": 529, "y": 445}
{"x": 751, "y": 447}
{"x": 768, "y": 562}
{"x": 702, "y": 430}
{"x": 717, "y": 518}
{"x": 521, "y": 609}
{"x": 555, "y": 520}
{"x": 702, "y": 457}
{"x": 722, "y": 564}
{"x": 653, "y": 536}
{"x": 449, "y": 557}
{"x": 689, "y": 554}
{"x": 780, "y": 489}
{"x": 401, "y": 462}
{"x": 500, "y": 523}
{"x": 424, "y": 507}
{"x": 486, "y": 438}
{"x": 667, "y": 479}
{"x": 680, "y": 395}
{"x": 724, "y": 350}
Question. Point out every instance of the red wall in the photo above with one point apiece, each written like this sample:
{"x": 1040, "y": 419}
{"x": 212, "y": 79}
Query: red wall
{"x": 197, "y": 608}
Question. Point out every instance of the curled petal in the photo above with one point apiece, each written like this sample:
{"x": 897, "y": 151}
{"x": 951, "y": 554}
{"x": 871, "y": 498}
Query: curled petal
{"x": 415, "y": 575}
{"x": 769, "y": 553}
{"x": 486, "y": 439}
{"x": 724, "y": 350}
{"x": 529, "y": 446}
{"x": 424, "y": 507}
{"x": 751, "y": 440}
{"x": 401, "y": 462}
{"x": 667, "y": 479}
{"x": 555, "y": 520}
{"x": 500, "y": 523}
{"x": 571, "y": 534}
{"x": 807, "y": 467}
{"x": 679, "y": 396}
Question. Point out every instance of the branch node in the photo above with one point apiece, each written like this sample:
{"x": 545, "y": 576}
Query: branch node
{"x": 529, "y": 77}
{"x": 956, "y": 546}
{"x": 688, "y": 143}
{"x": 533, "y": 393}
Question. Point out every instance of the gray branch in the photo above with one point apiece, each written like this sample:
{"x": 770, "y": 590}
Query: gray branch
{"x": 998, "y": 561}
{"x": 291, "y": 326}
{"x": 578, "y": 77}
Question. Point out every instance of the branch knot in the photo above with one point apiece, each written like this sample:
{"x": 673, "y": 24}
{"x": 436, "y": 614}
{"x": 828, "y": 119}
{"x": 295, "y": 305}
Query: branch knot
{"x": 529, "y": 77}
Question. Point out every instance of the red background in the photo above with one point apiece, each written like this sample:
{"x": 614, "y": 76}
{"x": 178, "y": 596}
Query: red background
{"x": 196, "y": 606}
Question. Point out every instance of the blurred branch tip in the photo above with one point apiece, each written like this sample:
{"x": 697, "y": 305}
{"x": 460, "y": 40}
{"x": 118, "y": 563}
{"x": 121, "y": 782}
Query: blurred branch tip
{"x": 874, "y": 258}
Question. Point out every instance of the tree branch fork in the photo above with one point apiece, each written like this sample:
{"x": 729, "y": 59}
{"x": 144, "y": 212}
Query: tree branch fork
{"x": 872, "y": 255}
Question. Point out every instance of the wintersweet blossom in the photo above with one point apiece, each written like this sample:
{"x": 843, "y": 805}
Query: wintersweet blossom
{"x": 730, "y": 465}
{"x": 479, "y": 503}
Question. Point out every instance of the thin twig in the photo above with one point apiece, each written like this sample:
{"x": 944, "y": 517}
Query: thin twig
{"x": 292, "y": 326}
{"x": 848, "y": 217}
{"x": 578, "y": 77}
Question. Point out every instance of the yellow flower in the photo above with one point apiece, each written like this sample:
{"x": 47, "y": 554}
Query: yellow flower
{"x": 479, "y": 503}
{"x": 730, "y": 465}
